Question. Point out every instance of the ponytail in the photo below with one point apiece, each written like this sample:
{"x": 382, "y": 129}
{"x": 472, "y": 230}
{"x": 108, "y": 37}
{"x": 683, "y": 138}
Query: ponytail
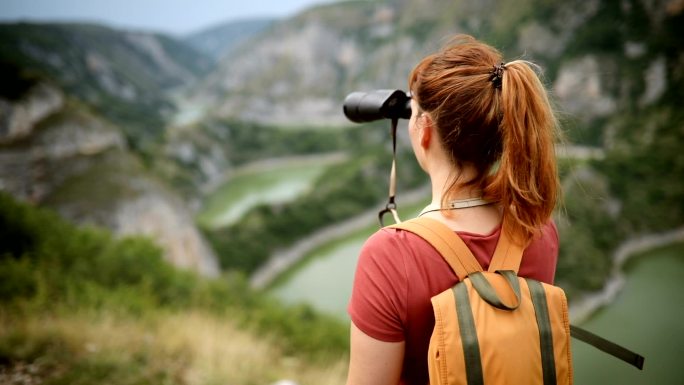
{"x": 526, "y": 181}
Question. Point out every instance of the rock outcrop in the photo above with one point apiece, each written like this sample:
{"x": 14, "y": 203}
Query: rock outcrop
{"x": 58, "y": 154}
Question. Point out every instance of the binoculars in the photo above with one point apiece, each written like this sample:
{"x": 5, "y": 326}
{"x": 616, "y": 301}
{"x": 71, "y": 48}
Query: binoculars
{"x": 361, "y": 107}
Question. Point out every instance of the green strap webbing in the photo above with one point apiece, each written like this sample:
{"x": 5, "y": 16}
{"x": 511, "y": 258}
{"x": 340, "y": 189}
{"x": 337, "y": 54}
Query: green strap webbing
{"x": 471, "y": 346}
{"x": 487, "y": 292}
{"x": 541, "y": 310}
{"x": 611, "y": 348}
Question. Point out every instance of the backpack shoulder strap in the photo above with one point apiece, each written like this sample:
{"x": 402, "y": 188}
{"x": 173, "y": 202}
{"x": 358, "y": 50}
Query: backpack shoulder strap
{"x": 507, "y": 255}
{"x": 446, "y": 242}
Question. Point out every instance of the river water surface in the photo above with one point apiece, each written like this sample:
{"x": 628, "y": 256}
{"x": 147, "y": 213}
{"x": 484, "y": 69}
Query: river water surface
{"x": 274, "y": 184}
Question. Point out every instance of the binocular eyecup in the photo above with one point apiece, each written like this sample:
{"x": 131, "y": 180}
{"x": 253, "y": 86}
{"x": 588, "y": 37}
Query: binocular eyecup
{"x": 362, "y": 107}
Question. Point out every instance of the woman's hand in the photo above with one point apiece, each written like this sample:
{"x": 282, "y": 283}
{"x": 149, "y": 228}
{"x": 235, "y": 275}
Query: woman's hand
{"x": 374, "y": 362}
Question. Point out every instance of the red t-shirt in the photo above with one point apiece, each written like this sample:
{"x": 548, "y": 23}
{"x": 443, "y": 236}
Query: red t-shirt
{"x": 397, "y": 274}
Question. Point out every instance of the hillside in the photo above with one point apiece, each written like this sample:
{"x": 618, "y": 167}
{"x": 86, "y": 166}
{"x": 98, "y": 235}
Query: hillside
{"x": 125, "y": 75}
{"x": 76, "y": 135}
{"x": 78, "y": 306}
{"x": 299, "y": 70}
{"x": 613, "y": 69}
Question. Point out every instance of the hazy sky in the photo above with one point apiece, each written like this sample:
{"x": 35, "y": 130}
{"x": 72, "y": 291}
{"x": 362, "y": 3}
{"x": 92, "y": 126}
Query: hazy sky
{"x": 171, "y": 16}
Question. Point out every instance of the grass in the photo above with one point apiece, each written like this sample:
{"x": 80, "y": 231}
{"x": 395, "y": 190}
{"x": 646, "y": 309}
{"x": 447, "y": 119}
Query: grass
{"x": 78, "y": 306}
{"x": 188, "y": 347}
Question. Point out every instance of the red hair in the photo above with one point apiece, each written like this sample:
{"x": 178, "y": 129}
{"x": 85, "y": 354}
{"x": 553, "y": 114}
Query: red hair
{"x": 482, "y": 125}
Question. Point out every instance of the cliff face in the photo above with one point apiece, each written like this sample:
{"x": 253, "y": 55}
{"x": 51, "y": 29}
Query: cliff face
{"x": 19, "y": 119}
{"x": 84, "y": 106}
{"x": 66, "y": 130}
{"x": 57, "y": 153}
{"x": 299, "y": 70}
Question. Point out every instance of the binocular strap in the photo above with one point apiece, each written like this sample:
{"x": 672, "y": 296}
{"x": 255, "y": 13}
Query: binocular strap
{"x": 391, "y": 206}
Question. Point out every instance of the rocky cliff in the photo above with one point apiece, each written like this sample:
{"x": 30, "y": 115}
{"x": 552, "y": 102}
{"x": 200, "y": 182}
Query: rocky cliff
{"x": 69, "y": 141}
{"x": 299, "y": 70}
{"x": 55, "y": 152}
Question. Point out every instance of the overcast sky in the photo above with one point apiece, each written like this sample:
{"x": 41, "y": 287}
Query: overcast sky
{"x": 171, "y": 16}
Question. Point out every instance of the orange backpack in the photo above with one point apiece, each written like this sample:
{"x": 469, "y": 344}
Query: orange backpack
{"x": 494, "y": 327}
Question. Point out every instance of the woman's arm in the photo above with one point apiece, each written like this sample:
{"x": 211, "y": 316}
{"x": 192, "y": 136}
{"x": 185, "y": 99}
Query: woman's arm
{"x": 374, "y": 362}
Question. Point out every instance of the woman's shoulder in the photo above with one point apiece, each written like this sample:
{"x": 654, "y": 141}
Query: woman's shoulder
{"x": 547, "y": 238}
{"x": 395, "y": 247}
{"x": 549, "y": 233}
{"x": 393, "y": 239}
{"x": 541, "y": 256}
{"x": 386, "y": 241}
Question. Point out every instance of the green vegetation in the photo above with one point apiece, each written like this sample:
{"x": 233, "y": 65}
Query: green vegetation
{"x": 635, "y": 190}
{"x": 51, "y": 269}
{"x": 341, "y": 192}
{"x": 654, "y": 203}
{"x": 243, "y": 142}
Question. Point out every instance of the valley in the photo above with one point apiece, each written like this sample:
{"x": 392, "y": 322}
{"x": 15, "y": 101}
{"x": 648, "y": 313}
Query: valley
{"x": 154, "y": 186}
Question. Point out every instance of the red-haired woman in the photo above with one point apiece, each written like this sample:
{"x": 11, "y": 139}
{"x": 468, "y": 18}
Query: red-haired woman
{"x": 484, "y": 131}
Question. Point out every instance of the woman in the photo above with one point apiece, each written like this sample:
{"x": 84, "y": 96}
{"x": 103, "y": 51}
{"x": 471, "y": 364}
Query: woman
{"x": 484, "y": 133}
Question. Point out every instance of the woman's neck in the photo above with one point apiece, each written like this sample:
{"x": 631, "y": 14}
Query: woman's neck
{"x": 442, "y": 178}
{"x": 480, "y": 219}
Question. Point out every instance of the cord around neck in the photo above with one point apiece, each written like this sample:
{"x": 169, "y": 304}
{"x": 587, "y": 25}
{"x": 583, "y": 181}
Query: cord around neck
{"x": 457, "y": 204}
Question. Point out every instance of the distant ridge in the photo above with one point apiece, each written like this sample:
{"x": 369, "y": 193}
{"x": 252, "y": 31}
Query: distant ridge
{"x": 220, "y": 39}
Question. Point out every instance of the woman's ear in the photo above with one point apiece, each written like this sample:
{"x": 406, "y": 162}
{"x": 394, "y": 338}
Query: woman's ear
{"x": 426, "y": 131}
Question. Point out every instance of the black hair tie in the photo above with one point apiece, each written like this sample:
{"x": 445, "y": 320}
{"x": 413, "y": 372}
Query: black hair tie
{"x": 496, "y": 74}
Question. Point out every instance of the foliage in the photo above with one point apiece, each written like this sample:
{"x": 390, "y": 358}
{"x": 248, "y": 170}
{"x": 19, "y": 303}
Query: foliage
{"x": 588, "y": 232}
{"x": 47, "y": 264}
{"x": 341, "y": 192}
{"x": 656, "y": 203}
{"x": 640, "y": 190}
{"x": 633, "y": 191}
{"x": 245, "y": 142}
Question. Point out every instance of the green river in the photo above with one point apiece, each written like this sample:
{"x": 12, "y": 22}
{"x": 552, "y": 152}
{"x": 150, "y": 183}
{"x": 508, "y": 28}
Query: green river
{"x": 272, "y": 185}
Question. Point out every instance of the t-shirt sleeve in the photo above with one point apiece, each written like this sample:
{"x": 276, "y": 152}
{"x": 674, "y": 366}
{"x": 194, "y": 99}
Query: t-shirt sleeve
{"x": 541, "y": 256}
{"x": 379, "y": 294}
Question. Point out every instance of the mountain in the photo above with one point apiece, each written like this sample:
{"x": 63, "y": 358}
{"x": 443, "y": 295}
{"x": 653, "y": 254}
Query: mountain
{"x": 298, "y": 71}
{"x": 125, "y": 64}
{"x": 79, "y": 111}
{"x": 125, "y": 75}
{"x": 219, "y": 40}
